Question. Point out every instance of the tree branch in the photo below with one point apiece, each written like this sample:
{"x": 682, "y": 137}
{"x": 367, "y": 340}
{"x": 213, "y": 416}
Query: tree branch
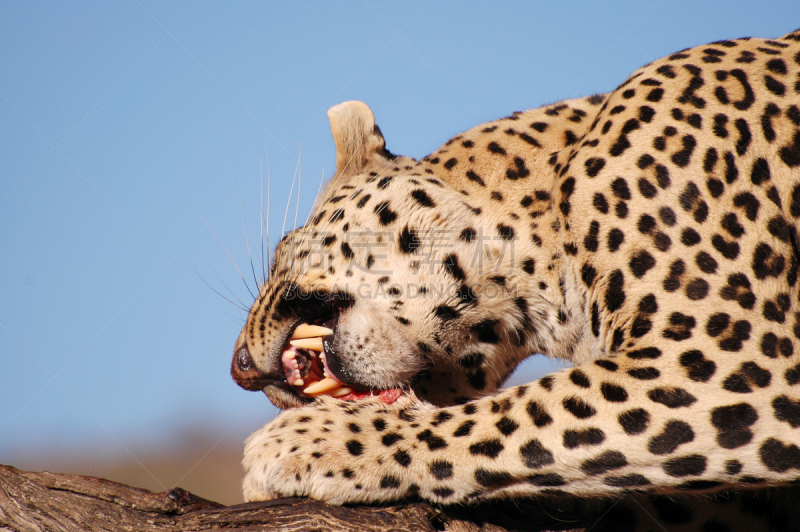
{"x": 46, "y": 501}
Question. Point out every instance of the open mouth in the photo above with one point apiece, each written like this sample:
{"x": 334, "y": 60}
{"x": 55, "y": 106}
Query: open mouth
{"x": 307, "y": 358}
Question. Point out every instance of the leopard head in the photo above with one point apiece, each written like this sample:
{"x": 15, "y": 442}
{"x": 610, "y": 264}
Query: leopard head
{"x": 392, "y": 271}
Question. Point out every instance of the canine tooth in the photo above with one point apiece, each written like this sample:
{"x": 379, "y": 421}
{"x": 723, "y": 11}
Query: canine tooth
{"x": 298, "y": 382}
{"x": 341, "y": 391}
{"x": 322, "y": 386}
{"x": 308, "y": 343}
{"x": 305, "y": 330}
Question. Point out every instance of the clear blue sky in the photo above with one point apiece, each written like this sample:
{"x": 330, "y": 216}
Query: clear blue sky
{"x": 128, "y": 126}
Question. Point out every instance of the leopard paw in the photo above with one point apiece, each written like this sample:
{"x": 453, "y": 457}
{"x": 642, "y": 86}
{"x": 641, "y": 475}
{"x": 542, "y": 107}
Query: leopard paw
{"x": 330, "y": 451}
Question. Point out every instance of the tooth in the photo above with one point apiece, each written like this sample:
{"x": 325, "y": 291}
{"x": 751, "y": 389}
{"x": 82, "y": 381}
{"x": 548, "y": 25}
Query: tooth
{"x": 341, "y": 391}
{"x": 290, "y": 354}
{"x": 305, "y": 330}
{"x": 308, "y": 343}
{"x": 322, "y": 386}
{"x": 298, "y": 382}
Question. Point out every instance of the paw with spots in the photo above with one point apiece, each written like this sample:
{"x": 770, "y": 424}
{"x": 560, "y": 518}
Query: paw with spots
{"x": 334, "y": 451}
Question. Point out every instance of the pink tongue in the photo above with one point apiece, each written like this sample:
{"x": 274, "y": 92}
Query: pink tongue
{"x": 289, "y": 368}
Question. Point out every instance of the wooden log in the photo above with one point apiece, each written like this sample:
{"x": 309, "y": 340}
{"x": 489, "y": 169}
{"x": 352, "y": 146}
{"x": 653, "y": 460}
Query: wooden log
{"x": 46, "y": 501}
{"x": 58, "y": 502}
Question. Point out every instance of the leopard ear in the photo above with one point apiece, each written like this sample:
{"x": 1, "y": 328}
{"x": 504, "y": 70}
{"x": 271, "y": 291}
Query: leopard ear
{"x": 358, "y": 140}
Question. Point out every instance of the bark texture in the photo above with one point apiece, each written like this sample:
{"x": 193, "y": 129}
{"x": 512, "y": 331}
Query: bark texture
{"x": 57, "y": 502}
{"x": 47, "y": 501}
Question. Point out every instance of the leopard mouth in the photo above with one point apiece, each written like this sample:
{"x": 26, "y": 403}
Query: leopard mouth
{"x": 313, "y": 368}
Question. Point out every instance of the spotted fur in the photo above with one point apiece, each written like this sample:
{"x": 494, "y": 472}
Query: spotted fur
{"x": 655, "y": 246}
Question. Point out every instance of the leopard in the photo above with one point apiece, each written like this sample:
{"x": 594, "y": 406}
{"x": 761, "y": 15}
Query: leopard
{"x": 647, "y": 236}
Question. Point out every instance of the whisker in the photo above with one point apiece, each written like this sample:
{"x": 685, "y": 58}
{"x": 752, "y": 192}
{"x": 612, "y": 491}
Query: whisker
{"x": 322, "y": 200}
{"x": 261, "y": 222}
{"x": 319, "y": 191}
{"x": 311, "y": 212}
{"x": 246, "y": 239}
{"x": 299, "y": 183}
{"x": 297, "y": 203}
{"x": 237, "y": 305}
{"x": 231, "y": 256}
{"x": 236, "y": 318}
{"x": 289, "y": 201}
{"x": 292, "y": 244}
{"x": 330, "y": 192}
{"x": 219, "y": 278}
{"x": 266, "y": 220}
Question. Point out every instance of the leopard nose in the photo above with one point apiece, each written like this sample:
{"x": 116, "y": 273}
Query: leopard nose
{"x": 244, "y": 371}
